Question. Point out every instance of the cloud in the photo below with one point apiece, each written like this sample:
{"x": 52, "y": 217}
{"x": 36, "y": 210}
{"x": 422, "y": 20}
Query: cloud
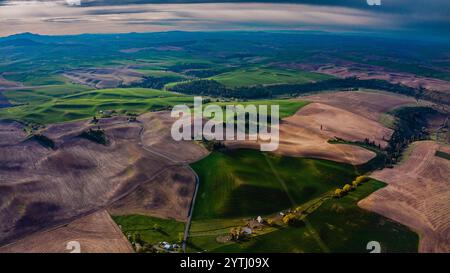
{"x": 99, "y": 16}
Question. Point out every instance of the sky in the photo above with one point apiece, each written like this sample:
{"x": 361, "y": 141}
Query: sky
{"x": 121, "y": 16}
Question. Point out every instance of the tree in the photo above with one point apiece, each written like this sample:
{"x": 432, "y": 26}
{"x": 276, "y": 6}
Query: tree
{"x": 338, "y": 193}
{"x": 138, "y": 239}
{"x": 347, "y": 188}
{"x": 289, "y": 218}
{"x": 361, "y": 179}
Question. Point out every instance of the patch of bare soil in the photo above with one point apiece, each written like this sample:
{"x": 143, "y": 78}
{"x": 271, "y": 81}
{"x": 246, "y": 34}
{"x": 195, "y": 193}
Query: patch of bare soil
{"x": 11, "y": 132}
{"x": 4, "y": 83}
{"x": 104, "y": 77}
{"x": 41, "y": 188}
{"x": 367, "y": 104}
{"x": 418, "y": 195}
{"x": 366, "y": 72}
{"x": 158, "y": 137}
{"x": 96, "y": 233}
{"x": 166, "y": 196}
{"x": 306, "y": 134}
{"x": 352, "y": 116}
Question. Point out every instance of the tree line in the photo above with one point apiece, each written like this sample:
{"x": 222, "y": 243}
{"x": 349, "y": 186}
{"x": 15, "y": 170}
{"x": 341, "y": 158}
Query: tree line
{"x": 214, "y": 88}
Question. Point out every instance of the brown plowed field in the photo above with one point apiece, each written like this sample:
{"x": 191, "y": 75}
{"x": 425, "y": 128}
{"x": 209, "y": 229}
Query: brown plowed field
{"x": 167, "y": 196}
{"x": 96, "y": 233}
{"x": 41, "y": 188}
{"x": 157, "y": 136}
{"x": 306, "y": 134}
{"x": 418, "y": 195}
{"x": 368, "y": 104}
{"x": 352, "y": 116}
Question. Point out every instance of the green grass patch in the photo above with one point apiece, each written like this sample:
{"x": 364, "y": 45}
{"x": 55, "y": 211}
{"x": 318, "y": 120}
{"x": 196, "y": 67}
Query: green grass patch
{"x": 151, "y": 229}
{"x": 89, "y": 103}
{"x": 44, "y": 107}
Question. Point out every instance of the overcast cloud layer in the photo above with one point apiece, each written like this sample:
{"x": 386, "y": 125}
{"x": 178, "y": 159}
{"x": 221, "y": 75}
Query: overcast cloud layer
{"x": 114, "y": 16}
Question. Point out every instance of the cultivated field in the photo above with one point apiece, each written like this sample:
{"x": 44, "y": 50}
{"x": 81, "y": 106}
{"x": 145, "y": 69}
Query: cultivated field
{"x": 258, "y": 76}
{"x": 418, "y": 195}
{"x": 242, "y": 183}
{"x": 237, "y": 186}
{"x": 352, "y": 116}
{"x": 361, "y": 71}
{"x": 96, "y": 233}
{"x": 42, "y": 188}
{"x": 104, "y": 77}
{"x": 166, "y": 196}
{"x": 157, "y": 135}
{"x": 86, "y": 104}
{"x": 299, "y": 138}
{"x": 370, "y": 105}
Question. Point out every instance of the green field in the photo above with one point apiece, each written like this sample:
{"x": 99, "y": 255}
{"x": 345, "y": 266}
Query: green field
{"x": 238, "y": 185}
{"x": 263, "y": 76}
{"x": 241, "y": 183}
{"x": 86, "y": 104}
{"x": 40, "y": 94}
{"x": 168, "y": 230}
{"x": 287, "y": 107}
{"x": 338, "y": 225}
{"x": 46, "y": 105}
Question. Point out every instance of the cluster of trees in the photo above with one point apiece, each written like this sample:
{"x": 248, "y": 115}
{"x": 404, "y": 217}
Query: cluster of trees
{"x": 139, "y": 244}
{"x": 212, "y": 145}
{"x": 366, "y": 142}
{"x": 214, "y": 88}
{"x": 96, "y": 135}
{"x": 338, "y": 193}
{"x": 204, "y": 73}
{"x": 292, "y": 219}
{"x": 43, "y": 140}
{"x": 154, "y": 82}
{"x": 180, "y": 67}
{"x": 201, "y": 87}
{"x": 237, "y": 234}
{"x": 411, "y": 125}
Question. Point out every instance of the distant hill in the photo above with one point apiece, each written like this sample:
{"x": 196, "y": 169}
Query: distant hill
{"x": 19, "y": 42}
